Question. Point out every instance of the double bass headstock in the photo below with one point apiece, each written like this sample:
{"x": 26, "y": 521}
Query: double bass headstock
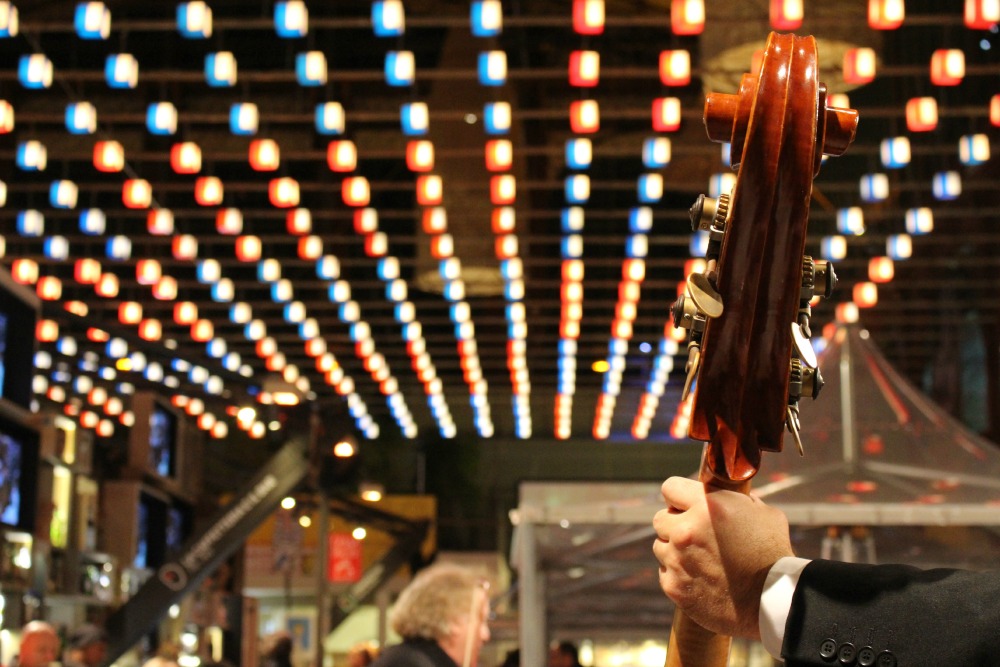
{"x": 749, "y": 312}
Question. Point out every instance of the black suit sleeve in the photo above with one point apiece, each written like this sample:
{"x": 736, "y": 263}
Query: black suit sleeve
{"x": 893, "y": 616}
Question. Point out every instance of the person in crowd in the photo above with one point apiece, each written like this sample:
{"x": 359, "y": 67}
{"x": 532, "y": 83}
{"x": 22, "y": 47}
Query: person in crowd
{"x": 442, "y": 616}
{"x": 726, "y": 560}
{"x": 278, "y": 650}
{"x": 362, "y": 654}
{"x": 86, "y": 646}
{"x": 564, "y": 654}
{"x": 39, "y": 645}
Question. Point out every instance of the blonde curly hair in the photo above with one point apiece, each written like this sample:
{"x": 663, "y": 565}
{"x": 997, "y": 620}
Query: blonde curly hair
{"x": 436, "y": 597}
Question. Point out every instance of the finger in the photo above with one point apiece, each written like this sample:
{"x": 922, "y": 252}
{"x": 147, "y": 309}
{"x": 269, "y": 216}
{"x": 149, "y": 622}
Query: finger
{"x": 662, "y": 522}
{"x": 682, "y": 493}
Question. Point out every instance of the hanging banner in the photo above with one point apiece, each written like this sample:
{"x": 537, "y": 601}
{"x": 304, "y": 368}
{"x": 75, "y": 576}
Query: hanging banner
{"x": 344, "y": 560}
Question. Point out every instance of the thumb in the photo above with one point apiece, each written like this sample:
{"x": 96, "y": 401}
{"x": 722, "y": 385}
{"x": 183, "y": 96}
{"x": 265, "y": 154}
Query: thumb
{"x": 681, "y": 493}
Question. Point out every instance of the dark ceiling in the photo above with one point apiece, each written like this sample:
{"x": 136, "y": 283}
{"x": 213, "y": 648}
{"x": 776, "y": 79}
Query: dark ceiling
{"x": 949, "y": 281}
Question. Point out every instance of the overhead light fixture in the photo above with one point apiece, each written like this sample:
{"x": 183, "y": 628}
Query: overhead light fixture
{"x": 371, "y": 491}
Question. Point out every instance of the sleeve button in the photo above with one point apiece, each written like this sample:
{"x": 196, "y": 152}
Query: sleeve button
{"x": 828, "y": 649}
{"x": 847, "y": 653}
{"x": 886, "y": 659}
{"x": 866, "y": 657}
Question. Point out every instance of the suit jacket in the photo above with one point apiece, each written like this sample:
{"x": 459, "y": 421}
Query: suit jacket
{"x": 893, "y": 616}
{"x": 414, "y": 653}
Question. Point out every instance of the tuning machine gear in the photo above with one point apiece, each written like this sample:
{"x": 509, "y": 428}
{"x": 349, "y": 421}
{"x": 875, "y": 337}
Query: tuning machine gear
{"x": 692, "y": 310}
{"x": 711, "y": 215}
{"x": 818, "y": 279}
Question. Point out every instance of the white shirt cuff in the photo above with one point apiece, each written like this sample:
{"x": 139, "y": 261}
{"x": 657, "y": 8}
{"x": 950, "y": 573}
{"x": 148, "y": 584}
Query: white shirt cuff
{"x": 776, "y": 600}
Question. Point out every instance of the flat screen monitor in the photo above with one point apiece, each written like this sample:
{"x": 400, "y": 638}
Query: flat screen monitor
{"x": 19, "y": 309}
{"x": 18, "y": 469}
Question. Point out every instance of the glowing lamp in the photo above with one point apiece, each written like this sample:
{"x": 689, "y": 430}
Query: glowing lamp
{"x": 9, "y": 21}
{"x": 81, "y": 118}
{"x": 3, "y": 202}
{"x": 165, "y": 289}
{"x": 974, "y": 149}
{"x": 786, "y": 14}
{"x": 497, "y": 117}
{"x": 121, "y": 70}
{"x": 656, "y": 152}
{"x": 7, "y": 117}
{"x": 687, "y": 17}
{"x": 194, "y": 20}
{"x": 56, "y": 247}
{"x": 414, "y": 118}
{"x": 502, "y": 220}
{"x": 640, "y": 220}
{"x": 434, "y": 220}
{"x": 698, "y": 245}
{"x": 650, "y": 188}
{"x": 31, "y": 223}
{"x": 874, "y": 187}
{"x": 244, "y": 119}
{"x": 400, "y": 68}
{"x": 503, "y": 189}
{"x": 579, "y": 153}
{"x": 851, "y": 220}
{"x": 185, "y": 158}
{"x": 49, "y": 288}
{"x": 499, "y": 155}
{"x": 506, "y": 246}
{"x": 919, "y": 221}
{"x": 202, "y": 331}
{"x": 721, "y": 183}
{"x": 107, "y": 286}
{"x": 666, "y": 114}
{"x": 577, "y": 188}
{"x": 675, "y": 67}
{"x": 492, "y": 66}
{"x": 442, "y": 246}
{"x": 248, "y": 248}
{"x": 208, "y": 191}
{"x": 46, "y": 331}
{"x": 486, "y": 18}
{"x": 947, "y": 185}
{"x": 32, "y": 156}
{"x": 229, "y": 221}
{"x": 24, "y": 271}
{"x": 895, "y": 152}
{"x": 310, "y": 247}
{"x": 584, "y": 116}
{"x": 947, "y": 67}
{"x": 355, "y": 191}
{"x": 388, "y": 18}
{"x": 634, "y": 270}
{"x": 137, "y": 193}
{"x": 430, "y": 190}
{"x": 147, "y": 271}
{"x": 160, "y": 222}
{"x": 420, "y": 155}
{"x": 376, "y": 244}
{"x": 150, "y": 330}
{"x": 881, "y": 269}
{"x": 342, "y": 156}
{"x": 86, "y": 271}
{"x": 283, "y": 192}
{"x": 886, "y": 14}
{"x": 161, "y": 118}
{"x": 264, "y": 155}
{"x": 220, "y": 69}
{"x": 109, "y": 156}
{"x": 865, "y": 294}
{"x": 588, "y": 17}
{"x": 329, "y": 118}
{"x": 63, "y": 194}
{"x": 291, "y": 19}
{"x": 311, "y": 69}
{"x": 184, "y": 247}
{"x": 298, "y": 221}
{"x": 223, "y": 291}
{"x": 833, "y": 248}
{"x": 209, "y": 271}
{"x": 921, "y": 114}
{"x": 981, "y": 14}
{"x": 899, "y": 246}
{"x": 859, "y": 65}
{"x": 129, "y": 312}
{"x": 34, "y": 71}
{"x": 584, "y": 68}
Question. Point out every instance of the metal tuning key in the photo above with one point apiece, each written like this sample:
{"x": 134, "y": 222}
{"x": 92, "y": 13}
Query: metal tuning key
{"x": 699, "y": 303}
